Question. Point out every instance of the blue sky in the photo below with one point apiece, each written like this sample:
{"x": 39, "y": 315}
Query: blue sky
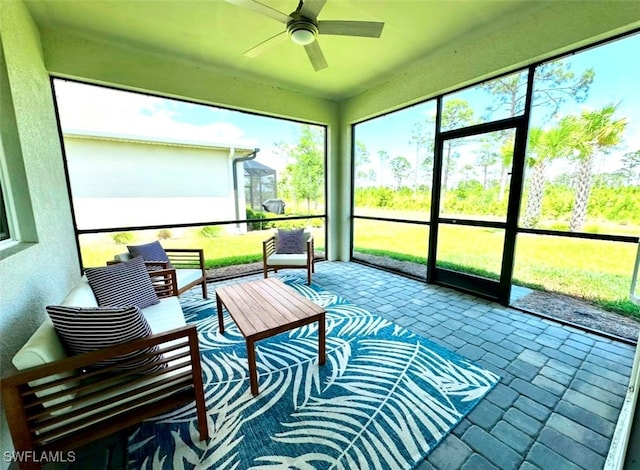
{"x": 99, "y": 109}
{"x": 617, "y": 79}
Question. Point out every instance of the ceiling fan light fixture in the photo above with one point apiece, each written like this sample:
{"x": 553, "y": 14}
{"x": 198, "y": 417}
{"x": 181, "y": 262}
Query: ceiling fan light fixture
{"x": 302, "y": 33}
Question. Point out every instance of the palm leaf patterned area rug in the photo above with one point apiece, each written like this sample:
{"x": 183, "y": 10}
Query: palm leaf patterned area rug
{"x": 383, "y": 400}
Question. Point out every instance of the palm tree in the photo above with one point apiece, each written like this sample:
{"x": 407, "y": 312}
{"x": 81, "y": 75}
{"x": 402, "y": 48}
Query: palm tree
{"x": 506, "y": 161}
{"x": 544, "y": 147}
{"x": 596, "y": 131}
{"x": 536, "y": 180}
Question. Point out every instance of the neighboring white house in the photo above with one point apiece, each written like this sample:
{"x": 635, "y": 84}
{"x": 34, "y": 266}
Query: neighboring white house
{"x": 131, "y": 181}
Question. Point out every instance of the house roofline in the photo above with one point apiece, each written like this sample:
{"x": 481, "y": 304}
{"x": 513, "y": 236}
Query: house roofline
{"x": 154, "y": 140}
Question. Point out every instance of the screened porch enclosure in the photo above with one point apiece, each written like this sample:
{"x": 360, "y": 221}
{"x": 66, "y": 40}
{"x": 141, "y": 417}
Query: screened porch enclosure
{"x": 529, "y": 181}
{"x": 260, "y": 186}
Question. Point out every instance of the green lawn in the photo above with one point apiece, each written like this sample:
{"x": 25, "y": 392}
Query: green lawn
{"x": 591, "y": 269}
{"x": 595, "y": 270}
{"x": 222, "y": 250}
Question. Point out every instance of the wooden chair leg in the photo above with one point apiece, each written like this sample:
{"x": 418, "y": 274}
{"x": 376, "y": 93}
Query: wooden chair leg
{"x": 198, "y": 385}
{"x": 204, "y": 289}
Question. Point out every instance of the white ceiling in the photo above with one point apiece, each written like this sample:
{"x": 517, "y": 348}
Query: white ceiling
{"x": 215, "y": 33}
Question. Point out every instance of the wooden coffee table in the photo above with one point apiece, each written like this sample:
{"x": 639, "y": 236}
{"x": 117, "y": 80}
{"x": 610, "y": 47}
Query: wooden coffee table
{"x": 264, "y": 308}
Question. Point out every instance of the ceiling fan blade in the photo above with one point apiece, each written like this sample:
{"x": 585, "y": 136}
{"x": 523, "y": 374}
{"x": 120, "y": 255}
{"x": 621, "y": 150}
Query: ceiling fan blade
{"x": 255, "y": 51}
{"x": 312, "y": 8}
{"x": 369, "y": 29}
{"x": 316, "y": 56}
{"x": 265, "y": 10}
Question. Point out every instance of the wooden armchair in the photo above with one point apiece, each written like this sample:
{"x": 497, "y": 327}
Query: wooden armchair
{"x": 188, "y": 264}
{"x": 276, "y": 261}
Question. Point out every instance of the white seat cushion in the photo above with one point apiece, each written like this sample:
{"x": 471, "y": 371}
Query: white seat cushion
{"x": 165, "y": 315}
{"x": 186, "y": 276}
{"x": 43, "y": 347}
{"x": 81, "y": 295}
{"x": 278, "y": 259}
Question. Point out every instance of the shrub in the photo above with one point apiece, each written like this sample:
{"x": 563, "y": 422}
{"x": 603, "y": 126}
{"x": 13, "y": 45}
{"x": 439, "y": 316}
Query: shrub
{"x": 316, "y": 223}
{"x": 210, "y": 231}
{"x": 292, "y": 224}
{"x": 594, "y": 228}
{"x": 123, "y": 238}
{"x": 251, "y": 214}
{"x": 164, "y": 234}
{"x": 562, "y": 226}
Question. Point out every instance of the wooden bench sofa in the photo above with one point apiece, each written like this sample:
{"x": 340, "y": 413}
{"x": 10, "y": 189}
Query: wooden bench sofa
{"x": 55, "y": 404}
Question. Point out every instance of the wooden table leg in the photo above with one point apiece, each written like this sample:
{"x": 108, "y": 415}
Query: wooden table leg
{"x": 220, "y": 317}
{"x": 253, "y": 372}
{"x": 321, "y": 340}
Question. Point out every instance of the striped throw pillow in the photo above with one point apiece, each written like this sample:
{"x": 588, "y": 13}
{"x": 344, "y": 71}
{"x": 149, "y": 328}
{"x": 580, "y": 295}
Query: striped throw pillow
{"x": 83, "y": 330}
{"x": 123, "y": 284}
{"x": 150, "y": 252}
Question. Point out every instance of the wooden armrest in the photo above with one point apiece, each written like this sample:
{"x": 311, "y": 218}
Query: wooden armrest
{"x": 190, "y": 258}
{"x": 152, "y": 265}
{"x": 149, "y": 264}
{"x": 165, "y": 282}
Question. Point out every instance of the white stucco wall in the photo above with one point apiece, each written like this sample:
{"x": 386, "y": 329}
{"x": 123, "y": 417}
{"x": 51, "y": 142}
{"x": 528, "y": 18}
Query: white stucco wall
{"x": 42, "y": 271}
{"x": 128, "y": 183}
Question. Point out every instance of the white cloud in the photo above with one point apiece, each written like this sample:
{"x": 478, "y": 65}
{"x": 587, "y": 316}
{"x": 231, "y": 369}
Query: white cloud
{"x": 100, "y": 109}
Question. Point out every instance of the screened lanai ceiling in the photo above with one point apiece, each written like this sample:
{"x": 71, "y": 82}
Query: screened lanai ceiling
{"x": 216, "y": 33}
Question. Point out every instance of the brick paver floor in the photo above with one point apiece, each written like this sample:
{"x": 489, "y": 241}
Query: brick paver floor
{"x": 561, "y": 391}
{"x": 555, "y": 408}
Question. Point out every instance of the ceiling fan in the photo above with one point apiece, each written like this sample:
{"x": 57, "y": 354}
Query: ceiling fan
{"x": 303, "y": 27}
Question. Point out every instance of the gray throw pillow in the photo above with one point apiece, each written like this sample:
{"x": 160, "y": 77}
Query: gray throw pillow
{"x": 150, "y": 252}
{"x": 123, "y": 284}
{"x": 83, "y": 330}
{"x": 290, "y": 242}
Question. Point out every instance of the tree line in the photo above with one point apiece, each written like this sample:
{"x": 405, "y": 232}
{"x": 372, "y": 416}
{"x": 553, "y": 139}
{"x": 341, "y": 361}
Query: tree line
{"x": 480, "y": 186}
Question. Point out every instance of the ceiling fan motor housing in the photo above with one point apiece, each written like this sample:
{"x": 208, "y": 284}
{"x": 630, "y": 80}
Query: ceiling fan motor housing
{"x": 302, "y": 30}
